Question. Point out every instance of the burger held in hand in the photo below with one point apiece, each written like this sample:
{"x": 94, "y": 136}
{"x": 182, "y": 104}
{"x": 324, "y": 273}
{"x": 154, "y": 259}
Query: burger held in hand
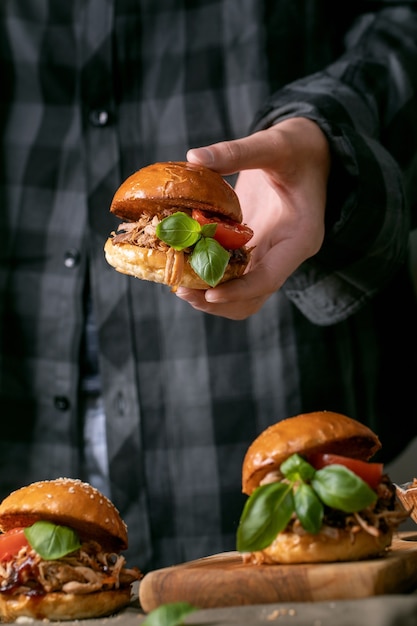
{"x": 60, "y": 553}
{"x": 182, "y": 225}
{"x": 313, "y": 494}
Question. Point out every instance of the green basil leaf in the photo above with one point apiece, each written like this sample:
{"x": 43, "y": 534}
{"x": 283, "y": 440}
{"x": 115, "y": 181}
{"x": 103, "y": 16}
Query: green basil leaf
{"x": 340, "y": 488}
{"x": 309, "y": 508}
{"x": 169, "y": 614}
{"x": 51, "y": 541}
{"x": 179, "y": 230}
{"x": 296, "y": 468}
{"x": 209, "y": 260}
{"x": 265, "y": 514}
{"x": 208, "y": 230}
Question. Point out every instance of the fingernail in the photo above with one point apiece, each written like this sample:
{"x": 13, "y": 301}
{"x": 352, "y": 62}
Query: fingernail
{"x": 204, "y": 156}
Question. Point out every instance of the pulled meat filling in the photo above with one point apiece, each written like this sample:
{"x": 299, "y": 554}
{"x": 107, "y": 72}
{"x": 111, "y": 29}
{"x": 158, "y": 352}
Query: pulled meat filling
{"x": 143, "y": 234}
{"x": 86, "y": 570}
{"x": 379, "y": 518}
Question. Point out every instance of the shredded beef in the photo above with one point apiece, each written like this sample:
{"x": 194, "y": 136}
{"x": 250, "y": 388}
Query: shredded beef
{"x": 142, "y": 233}
{"x": 83, "y": 571}
{"x": 384, "y": 514}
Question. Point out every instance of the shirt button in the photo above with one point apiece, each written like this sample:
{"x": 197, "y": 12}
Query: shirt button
{"x": 61, "y": 403}
{"x": 71, "y": 259}
{"x": 99, "y": 117}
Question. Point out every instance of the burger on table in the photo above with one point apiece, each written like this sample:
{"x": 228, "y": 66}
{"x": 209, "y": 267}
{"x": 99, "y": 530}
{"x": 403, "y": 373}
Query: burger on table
{"x": 314, "y": 496}
{"x": 60, "y": 553}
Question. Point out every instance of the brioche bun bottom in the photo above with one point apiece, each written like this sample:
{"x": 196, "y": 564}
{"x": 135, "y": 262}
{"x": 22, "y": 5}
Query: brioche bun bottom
{"x": 150, "y": 264}
{"x": 58, "y": 606}
{"x": 290, "y": 547}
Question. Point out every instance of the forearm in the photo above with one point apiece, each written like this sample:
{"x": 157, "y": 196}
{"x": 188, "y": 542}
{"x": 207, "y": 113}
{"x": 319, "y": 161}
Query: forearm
{"x": 365, "y": 104}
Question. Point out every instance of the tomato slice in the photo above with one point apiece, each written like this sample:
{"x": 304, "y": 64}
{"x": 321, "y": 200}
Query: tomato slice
{"x": 229, "y": 234}
{"x": 11, "y": 542}
{"x": 371, "y": 473}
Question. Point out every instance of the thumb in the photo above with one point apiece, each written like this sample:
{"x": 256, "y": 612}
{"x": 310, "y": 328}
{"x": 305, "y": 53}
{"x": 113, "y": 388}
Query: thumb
{"x": 229, "y": 157}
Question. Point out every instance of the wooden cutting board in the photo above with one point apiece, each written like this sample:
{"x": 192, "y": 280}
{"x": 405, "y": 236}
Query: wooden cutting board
{"x": 224, "y": 580}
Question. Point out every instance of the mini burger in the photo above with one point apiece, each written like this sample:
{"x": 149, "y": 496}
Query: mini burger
{"x": 60, "y": 553}
{"x": 182, "y": 225}
{"x": 313, "y": 495}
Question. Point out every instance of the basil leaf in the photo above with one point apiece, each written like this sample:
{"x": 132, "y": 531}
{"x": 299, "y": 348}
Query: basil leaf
{"x": 340, "y": 488}
{"x": 179, "y": 230}
{"x": 169, "y": 614}
{"x": 265, "y": 514}
{"x": 209, "y": 260}
{"x": 296, "y": 468}
{"x": 308, "y": 508}
{"x": 208, "y": 230}
{"x": 51, "y": 541}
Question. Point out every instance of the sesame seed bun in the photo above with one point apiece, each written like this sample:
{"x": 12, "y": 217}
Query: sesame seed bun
{"x": 67, "y": 502}
{"x": 91, "y": 581}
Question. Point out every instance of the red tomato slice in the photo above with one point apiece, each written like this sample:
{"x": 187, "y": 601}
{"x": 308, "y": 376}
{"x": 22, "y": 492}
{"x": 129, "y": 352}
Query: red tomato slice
{"x": 11, "y": 542}
{"x": 231, "y": 235}
{"x": 371, "y": 473}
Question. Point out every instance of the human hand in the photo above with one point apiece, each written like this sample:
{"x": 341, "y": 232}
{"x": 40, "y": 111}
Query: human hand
{"x": 282, "y": 190}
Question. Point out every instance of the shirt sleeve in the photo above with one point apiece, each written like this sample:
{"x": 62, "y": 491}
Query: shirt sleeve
{"x": 365, "y": 103}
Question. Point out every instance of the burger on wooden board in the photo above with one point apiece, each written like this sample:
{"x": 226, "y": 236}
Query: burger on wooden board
{"x": 60, "y": 553}
{"x": 313, "y": 494}
{"x": 182, "y": 225}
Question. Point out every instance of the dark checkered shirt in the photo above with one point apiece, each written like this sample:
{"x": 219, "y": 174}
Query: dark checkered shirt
{"x": 92, "y": 90}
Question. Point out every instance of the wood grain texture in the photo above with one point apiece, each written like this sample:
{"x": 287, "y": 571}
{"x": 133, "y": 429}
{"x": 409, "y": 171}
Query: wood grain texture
{"x": 224, "y": 580}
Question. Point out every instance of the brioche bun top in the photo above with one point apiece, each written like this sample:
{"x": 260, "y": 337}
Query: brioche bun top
{"x": 66, "y": 502}
{"x": 175, "y": 185}
{"x": 320, "y": 431}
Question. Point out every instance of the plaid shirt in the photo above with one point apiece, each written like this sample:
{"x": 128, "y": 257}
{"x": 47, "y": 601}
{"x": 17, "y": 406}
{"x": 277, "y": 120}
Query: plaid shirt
{"x": 94, "y": 89}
